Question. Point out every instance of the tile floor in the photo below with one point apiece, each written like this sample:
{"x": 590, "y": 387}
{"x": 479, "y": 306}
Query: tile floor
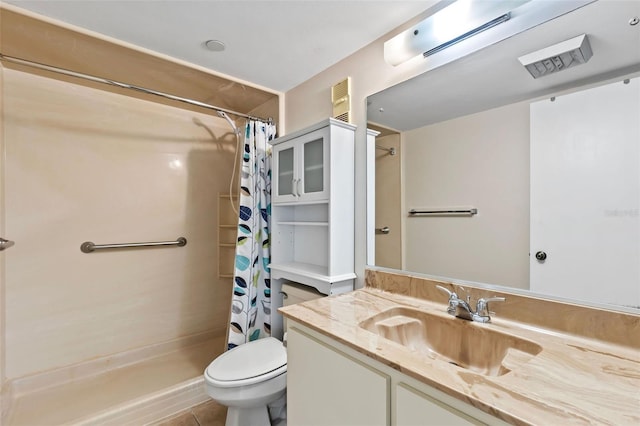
{"x": 206, "y": 414}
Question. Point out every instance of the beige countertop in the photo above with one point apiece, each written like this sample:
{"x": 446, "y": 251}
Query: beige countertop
{"x": 573, "y": 380}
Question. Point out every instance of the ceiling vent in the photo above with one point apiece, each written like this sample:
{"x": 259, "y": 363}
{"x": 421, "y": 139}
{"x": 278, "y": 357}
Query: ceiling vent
{"x": 341, "y": 100}
{"x": 558, "y": 57}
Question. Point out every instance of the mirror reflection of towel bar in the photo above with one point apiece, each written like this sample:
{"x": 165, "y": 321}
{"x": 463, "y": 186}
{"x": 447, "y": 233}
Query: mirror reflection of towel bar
{"x": 444, "y": 212}
{"x": 88, "y": 246}
{"x": 391, "y": 151}
{"x": 5, "y": 244}
{"x": 384, "y": 230}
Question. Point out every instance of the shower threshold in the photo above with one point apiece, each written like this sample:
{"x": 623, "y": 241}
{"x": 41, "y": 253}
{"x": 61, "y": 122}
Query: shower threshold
{"x": 138, "y": 393}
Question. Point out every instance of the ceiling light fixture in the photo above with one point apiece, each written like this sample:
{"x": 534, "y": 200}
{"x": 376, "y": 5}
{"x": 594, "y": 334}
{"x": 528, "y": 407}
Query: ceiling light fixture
{"x": 457, "y": 22}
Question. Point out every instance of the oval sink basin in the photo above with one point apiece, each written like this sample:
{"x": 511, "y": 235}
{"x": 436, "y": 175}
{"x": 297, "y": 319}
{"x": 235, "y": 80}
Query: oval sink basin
{"x": 465, "y": 344}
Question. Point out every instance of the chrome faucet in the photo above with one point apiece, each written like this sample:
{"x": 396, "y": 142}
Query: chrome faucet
{"x": 462, "y": 309}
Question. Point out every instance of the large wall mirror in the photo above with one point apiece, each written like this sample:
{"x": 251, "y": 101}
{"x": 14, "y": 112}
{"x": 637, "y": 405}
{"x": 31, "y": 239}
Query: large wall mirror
{"x": 485, "y": 174}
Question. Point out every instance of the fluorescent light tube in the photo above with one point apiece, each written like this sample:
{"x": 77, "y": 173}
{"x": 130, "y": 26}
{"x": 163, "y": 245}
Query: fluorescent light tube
{"x": 454, "y": 23}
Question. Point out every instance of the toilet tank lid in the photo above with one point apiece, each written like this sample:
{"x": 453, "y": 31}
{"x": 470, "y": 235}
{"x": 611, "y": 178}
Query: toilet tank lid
{"x": 250, "y": 360}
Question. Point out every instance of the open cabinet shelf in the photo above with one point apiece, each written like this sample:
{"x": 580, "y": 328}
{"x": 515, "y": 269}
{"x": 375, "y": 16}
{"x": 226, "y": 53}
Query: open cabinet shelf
{"x": 304, "y": 223}
{"x": 227, "y": 234}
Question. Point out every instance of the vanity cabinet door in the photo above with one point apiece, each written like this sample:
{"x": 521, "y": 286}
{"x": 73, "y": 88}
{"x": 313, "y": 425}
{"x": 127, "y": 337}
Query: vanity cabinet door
{"x": 413, "y": 408}
{"x": 325, "y": 387}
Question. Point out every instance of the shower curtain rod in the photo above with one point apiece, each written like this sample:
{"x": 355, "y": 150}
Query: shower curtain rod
{"x": 51, "y": 68}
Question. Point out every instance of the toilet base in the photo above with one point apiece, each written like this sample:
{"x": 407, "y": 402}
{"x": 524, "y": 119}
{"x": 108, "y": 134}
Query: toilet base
{"x": 254, "y": 416}
{"x": 272, "y": 414}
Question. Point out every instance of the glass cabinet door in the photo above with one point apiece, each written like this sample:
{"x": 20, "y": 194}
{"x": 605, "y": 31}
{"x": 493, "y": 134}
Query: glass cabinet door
{"x": 285, "y": 172}
{"x": 301, "y": 168}
{"x": 313, "y": 166}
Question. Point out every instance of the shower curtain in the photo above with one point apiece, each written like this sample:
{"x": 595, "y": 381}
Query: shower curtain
{"x": 251, "y": 304}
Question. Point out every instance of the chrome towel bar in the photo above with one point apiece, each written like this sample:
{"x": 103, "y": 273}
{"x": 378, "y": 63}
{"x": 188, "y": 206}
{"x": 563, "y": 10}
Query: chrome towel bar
{"x": 88, "y": 246}
{"x": 444, "y": 212}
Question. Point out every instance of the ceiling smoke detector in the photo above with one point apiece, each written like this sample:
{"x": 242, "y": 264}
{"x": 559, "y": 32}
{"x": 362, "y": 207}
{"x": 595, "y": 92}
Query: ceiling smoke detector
{"x": 558, "y": 57}
{"x": 215, "y": 45}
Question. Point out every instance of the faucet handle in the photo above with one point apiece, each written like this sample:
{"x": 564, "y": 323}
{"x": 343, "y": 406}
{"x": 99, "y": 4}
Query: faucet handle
{"x": 482, "y": 307}
{"x": 446, "y": 290}
{"x": 452, "y": 299}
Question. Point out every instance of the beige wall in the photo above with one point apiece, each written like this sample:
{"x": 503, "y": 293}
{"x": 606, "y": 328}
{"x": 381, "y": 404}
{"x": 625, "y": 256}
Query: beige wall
{"x": 87, "y": 165}
{"x": 481, "y": 160}
{"x": 310, "y": 102}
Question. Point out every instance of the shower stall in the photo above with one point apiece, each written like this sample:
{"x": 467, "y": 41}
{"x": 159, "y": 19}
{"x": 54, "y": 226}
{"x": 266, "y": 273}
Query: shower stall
{"x": 119, "y": 332}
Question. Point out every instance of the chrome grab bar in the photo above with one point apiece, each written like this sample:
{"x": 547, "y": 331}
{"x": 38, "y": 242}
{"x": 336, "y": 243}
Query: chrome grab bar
{"x": 88, "y": 246}
{"x": 444, "y": 212}
{"x": 5, "y": 244}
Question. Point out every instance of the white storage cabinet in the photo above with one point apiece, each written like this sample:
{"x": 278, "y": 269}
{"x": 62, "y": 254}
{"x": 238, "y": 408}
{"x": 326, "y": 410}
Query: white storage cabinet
{"x": 312, "y": 222}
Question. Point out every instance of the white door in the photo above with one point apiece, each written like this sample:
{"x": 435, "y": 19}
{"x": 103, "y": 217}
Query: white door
{"x": 585, "y": 195}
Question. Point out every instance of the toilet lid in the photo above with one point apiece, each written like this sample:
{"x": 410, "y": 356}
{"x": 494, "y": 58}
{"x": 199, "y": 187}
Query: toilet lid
{"x": 249, "y": 363}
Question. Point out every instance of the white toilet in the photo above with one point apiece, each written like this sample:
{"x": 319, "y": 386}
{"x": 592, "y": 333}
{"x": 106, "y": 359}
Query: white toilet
{"x": 251, "y": 377}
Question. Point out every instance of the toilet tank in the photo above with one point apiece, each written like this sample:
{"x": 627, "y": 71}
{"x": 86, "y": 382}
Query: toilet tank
{"x": 297, "y": 293}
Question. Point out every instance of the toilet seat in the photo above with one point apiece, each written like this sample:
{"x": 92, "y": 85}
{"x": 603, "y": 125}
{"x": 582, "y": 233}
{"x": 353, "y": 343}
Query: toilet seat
{"x": 248, "y": 364}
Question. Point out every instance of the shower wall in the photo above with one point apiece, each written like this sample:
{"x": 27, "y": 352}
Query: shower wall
{"x": 82, "y": 164}
{"x": 81, "y": 161}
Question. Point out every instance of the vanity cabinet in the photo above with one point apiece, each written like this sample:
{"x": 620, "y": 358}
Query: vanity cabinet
{"x": 328, "y": 383}
{"x": 312, "y": 210}
{"x": 327, "y": 387}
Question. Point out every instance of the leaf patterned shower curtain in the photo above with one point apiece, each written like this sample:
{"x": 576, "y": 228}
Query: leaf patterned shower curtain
{"x": 251, "y": 304}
